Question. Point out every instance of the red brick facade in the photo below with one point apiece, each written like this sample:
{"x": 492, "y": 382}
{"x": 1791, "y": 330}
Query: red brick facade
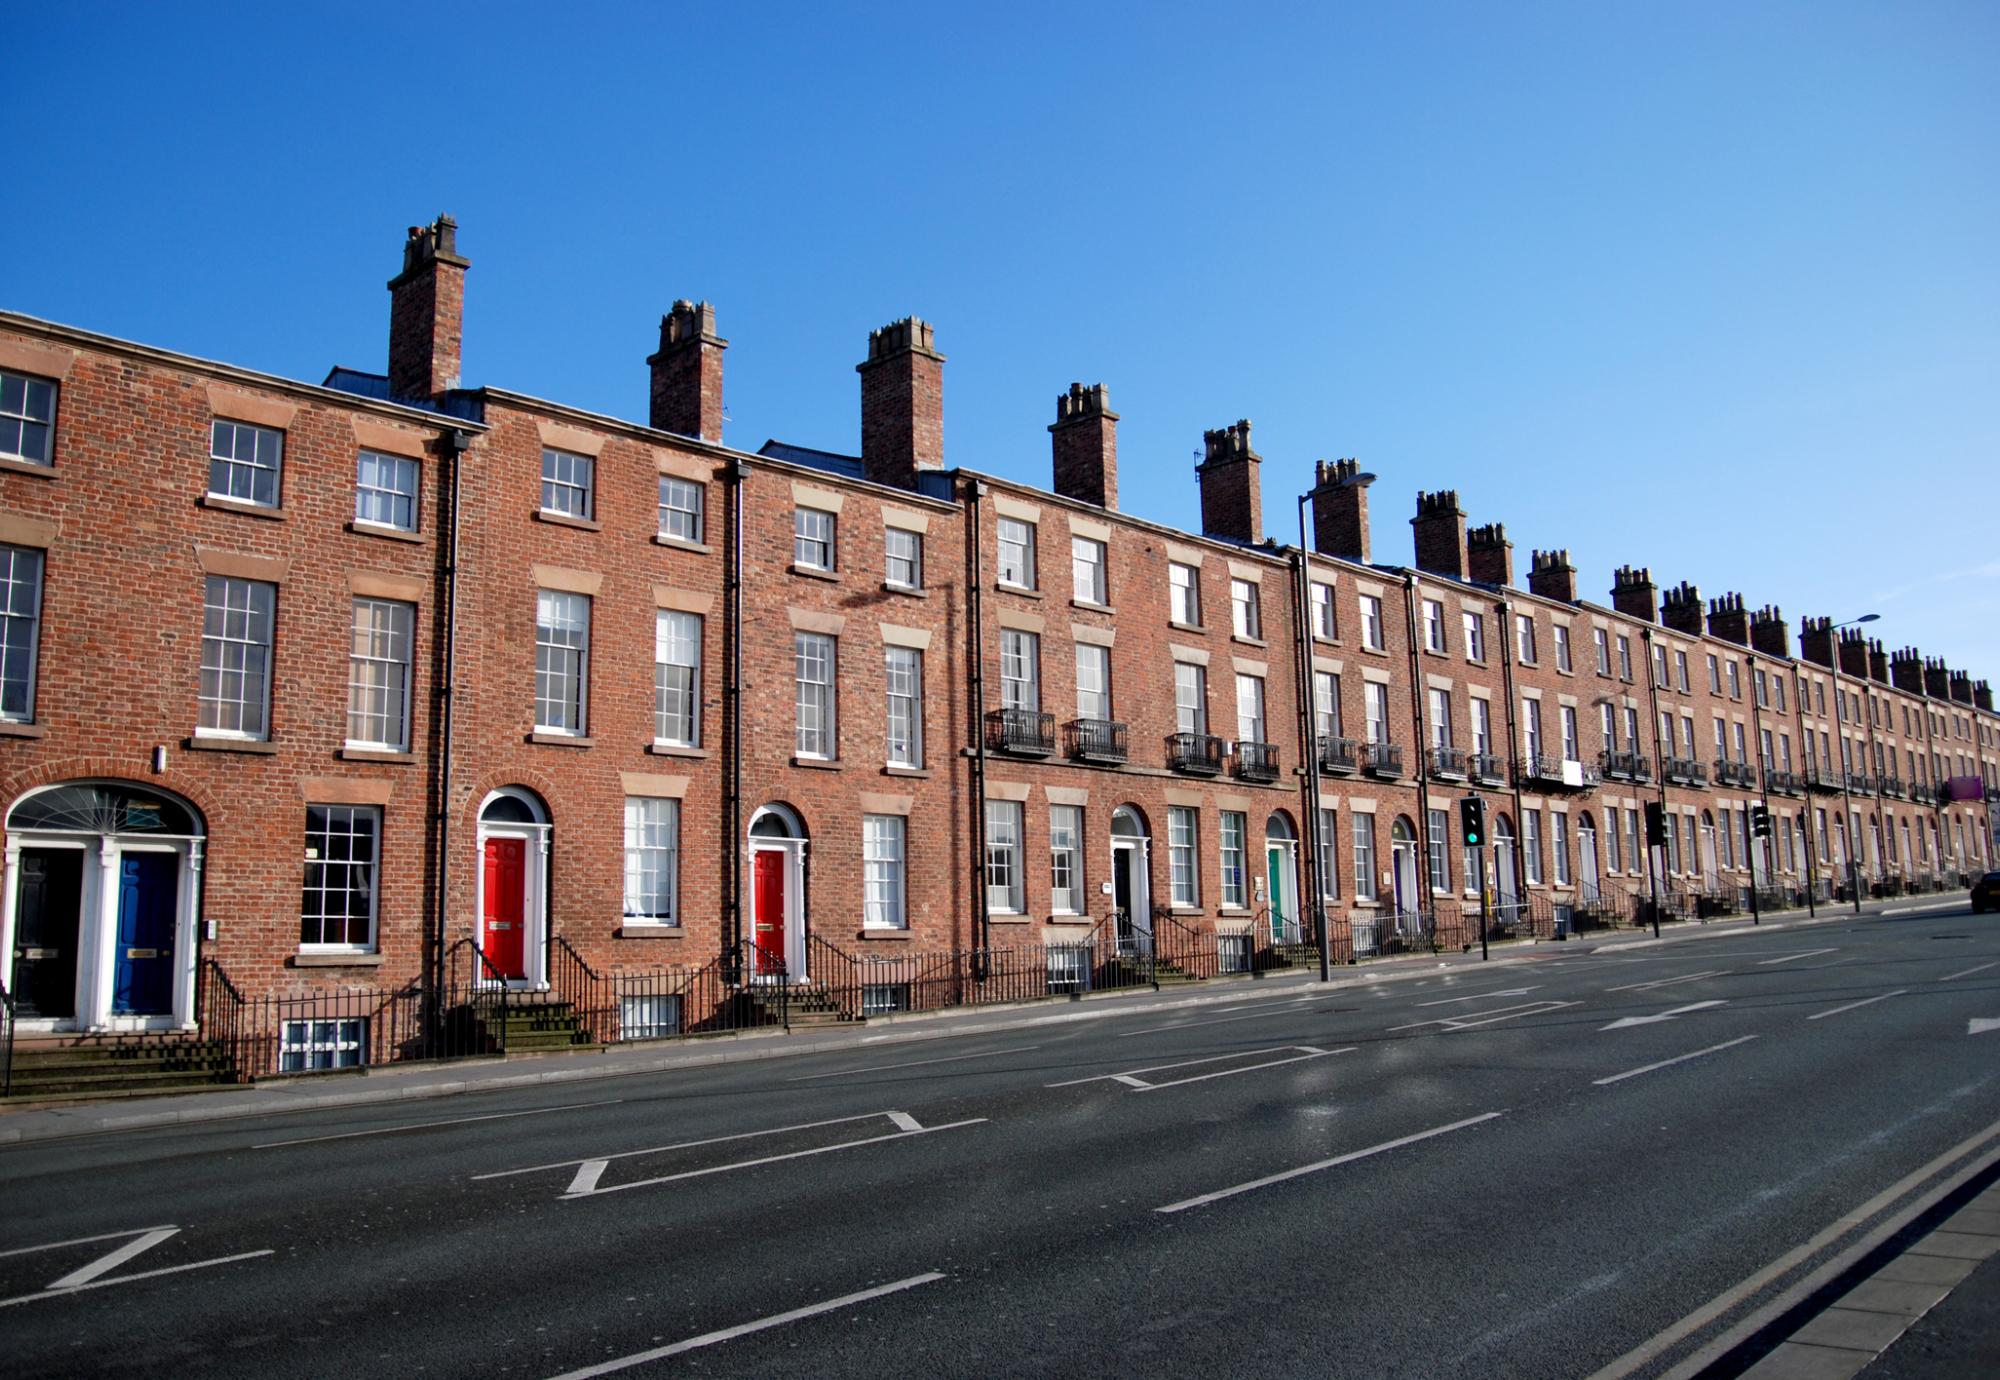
{"x": 897, "y": 560}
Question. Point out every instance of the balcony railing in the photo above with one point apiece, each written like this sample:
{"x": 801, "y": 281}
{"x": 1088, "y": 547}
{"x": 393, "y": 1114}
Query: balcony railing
{"x": 1728, "y": 773}
{"x": 1860, "y": 783}
{"x": 1382, "y": 759}
{"x": 1487, "y": 767}
{"x": 1893, "y": 786}
{"x": 1096, "y": 740}
{"x": 1023, "y": 732}
{"x": 1449, "y": 763}
{"x": 1539, "y": 768}
{"x": 1199, "y": 754}
{"x": 1626, "y": 766}
{"x": 1684, "y": 771}
{"x": 1822, "y": 780}
{"x": 1257, "y": 761}
{"x": 1338, "y": 755}
{"x": 1784, "y": 782}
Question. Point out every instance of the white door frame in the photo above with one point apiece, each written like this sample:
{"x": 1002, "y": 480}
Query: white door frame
{"x": 1141, "y": 915}
{"x": 534, "y": 899}
{"x": 794, "y": 852}
{"x": 1288, "y": 865}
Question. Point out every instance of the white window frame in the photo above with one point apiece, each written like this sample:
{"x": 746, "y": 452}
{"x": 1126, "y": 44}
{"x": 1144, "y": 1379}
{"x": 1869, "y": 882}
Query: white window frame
{"x": 1559, "y": 637}
{"x": 241, "y": 651}
{"x": 903, "y": 686}
{"x": 1524, "y": 639}
{"x": 1372, "y": 633}
{"x": 1246, "y": 614}
{"x": 1325, "y": 620}
{"x": 1366, "y": 884}
{"x": 22, "y": 572}
{"x": 1014, "y": 561}
{"x": 1066, "y": 881}
{"x": 562, "y": 694}
{"x": 1234, "y": 859}
{"x": 1020, "y": 670}
{"x": 1190, "y": 698}
{"x": 1093, "y": 681}
{"x": 384, "y": 486}
{"x": 1087, "y": 574}
{"x": 1183, "y": 594}
{"x": 380, "y": 654}
{"x": 229, "y": 463}
{"x": 1434, "y": 625}
{"x": 1006, "y": 892}
{"x": 319, "y": 863}
{"x": 902, "y": 558}
{"x": 884, "y": 872}
{"x": 21, "y": 419}
{"x": 677, "y": 648}
{"x": 569, "y": 484}
{"x": 652, "y": 860}
{"x": 682, "y": 509}
{"x": 1183, "y": 857}
{"x": 814, "y": 532}
{"x": 815, "y": 663}
{"x": 1475, "y": 635}
{"x": 1250, "y": 723}
{"x": 323, "y": 1042}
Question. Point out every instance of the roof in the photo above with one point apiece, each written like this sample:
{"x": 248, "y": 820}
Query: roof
{"x": 459, "y": 403}
{"x": 847, "y": 466}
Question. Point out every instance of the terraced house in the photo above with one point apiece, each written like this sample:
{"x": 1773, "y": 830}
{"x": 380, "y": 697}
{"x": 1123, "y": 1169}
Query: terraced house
{"x": 389, "y": 717}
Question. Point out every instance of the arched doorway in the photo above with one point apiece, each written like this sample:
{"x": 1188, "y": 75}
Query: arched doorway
{"x": 513, "y": 930}
{"x": 1708, "y": 876}
{"x": 1586, "y": 860}
{"x": 103, "y": 892}
{"x": 1131, "y": 893}
{"x": 1281, "y": 870}
{"x": 1403, "y": 872}
{"x": 777, "y": 894}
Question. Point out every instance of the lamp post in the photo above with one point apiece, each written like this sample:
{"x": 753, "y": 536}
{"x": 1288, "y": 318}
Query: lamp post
{"x": 1846, "y": 796}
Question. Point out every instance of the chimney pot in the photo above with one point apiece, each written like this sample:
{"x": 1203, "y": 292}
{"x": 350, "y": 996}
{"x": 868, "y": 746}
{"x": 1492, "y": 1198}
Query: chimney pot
{"x": 427, "y": 313}
{"x": 1084, "y": 438}
{"x": 687, "y": 373}
{"x": 902, "y": 403}
{"x": 1340, "y": 510}
{"x": 1232, "y": 500}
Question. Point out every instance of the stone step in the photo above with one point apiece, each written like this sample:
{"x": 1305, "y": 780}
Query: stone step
{"x": 69, "y": 1083}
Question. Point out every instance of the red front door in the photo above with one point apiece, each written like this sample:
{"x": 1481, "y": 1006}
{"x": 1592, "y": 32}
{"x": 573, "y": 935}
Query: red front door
{"x": 504, "y": 935}
{"x": 768, "y": 913}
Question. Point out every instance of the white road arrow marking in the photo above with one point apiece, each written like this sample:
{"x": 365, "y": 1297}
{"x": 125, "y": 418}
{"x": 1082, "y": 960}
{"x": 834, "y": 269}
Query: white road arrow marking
{"x": 1477, "y": 996}
{"x": 1625, "y": 1021}
{"x": 1977, "y": 1026}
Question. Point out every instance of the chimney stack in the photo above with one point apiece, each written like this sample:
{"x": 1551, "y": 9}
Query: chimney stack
{"x": 1634, "y": 594}
{"x": 1961, "y": 687}
{"x": 1906, "y": 669}
{"x": 1552, "y": 576}
{"x": 1681, "y": 609}
{"x": 902, "y": 404}
{"x": 687, "y": 373}
{"x": 1816, "y": 640}
{"x": 1729, "y": 620}
{"x": 1340, "y": 509}
{"x": 1937, "y": 680}
{"x": 1854, "y": 653}
{"x": 1232, "y": 500}
{"x": 1982, "y": 695}
{"x": 1878, "y": 663}
{"x": 1769, "y": 633}
{"x": 1440, "y": 534}
{"x": 1489, "y": 556}
{"x": 1084, "y": 437}
{"x": 427, "y": 313}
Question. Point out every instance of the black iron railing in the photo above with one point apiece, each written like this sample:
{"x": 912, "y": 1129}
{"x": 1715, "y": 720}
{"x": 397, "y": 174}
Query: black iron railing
{"x": 1822, "y": 780}
{"x": 1257, "y": 761}
{"x": 1626, "y": 766}
{"x": 1488, "y": 767}
{"x": 1338, "y": 755}
{"x": 1382, "y": 759}
{"x": 1783, "y": 782}
{"x": 1023, "y": 732}
{"x": 1096, "y": 740}
{"x": 6, "y": 1041}
{"x": 1860, "y": 783}
{"x": 1684, "y": 771}
{"x": 1728, "y": 773}
{"x": 1199, "y": 754}
{"x": 1893, "y": 786}
{"x": 1450, "y": 763}
{"x": 1540, "y": 769}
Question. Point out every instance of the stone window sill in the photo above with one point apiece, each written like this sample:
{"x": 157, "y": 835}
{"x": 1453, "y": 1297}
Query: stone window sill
{"x": 574, "y": 740}
{"x": 813, "y": 572}
{"x": 913, "y": 773}
{"x": 1234, "y": 913}
{"x": 697, "y": 548}
{"x": 233, "y": 505}
{"x": 675, "y": 750}
{"x": 376, "y": 529}
{"x": 9, "y": 729}
{"x": 1021, "y": 590}
{"x": 819, "y": 763}
{"x": 1179, "y": 626}
{"x": 636, "y": 930}
{"x": 382, "y": 755}
{"x": 335, "y": 960}
{"x": 27, "y": 467}
{"x": 892, "y": 936}
{"x": 565, "y": 520}
{"x": 255, "y": 746}
{"x": 1248, "y": 641}
{"x": 908, "y": 591}
{"x": 1091, "y": 607}
{"x": 1184, "y": 910}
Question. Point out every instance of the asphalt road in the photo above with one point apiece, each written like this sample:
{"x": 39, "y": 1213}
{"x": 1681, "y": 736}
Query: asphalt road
{"x": 1519, "y": 1171}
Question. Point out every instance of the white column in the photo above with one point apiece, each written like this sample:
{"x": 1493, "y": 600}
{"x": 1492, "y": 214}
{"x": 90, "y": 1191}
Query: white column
{"x": 10, "y": 902}
{"x": 99, "y": 941}
{"x": 187, "y": 934}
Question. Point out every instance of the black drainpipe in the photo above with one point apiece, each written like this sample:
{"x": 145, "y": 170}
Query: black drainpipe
{"x": 1309, "y": 744}
{"x": 976, "y": 660}
{"x": 733, "y": 848}
{"x": 1422, "y": 747}
{"x": 1505, "y": 612}
{"x": 456, "y": 444}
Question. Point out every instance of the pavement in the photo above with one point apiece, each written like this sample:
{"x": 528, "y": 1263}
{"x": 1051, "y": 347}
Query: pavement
{"x": 1610, "y": 1158}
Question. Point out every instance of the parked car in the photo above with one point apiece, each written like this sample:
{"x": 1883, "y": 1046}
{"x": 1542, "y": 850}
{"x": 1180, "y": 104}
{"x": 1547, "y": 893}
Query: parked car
{"x": 1986, "y": 893}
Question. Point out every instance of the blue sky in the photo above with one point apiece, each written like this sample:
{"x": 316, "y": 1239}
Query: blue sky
{"x": 1706, "y": 287}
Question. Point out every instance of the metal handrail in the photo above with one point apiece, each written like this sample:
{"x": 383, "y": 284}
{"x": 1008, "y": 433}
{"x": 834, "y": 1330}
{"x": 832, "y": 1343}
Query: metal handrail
{"x": 6, "y": 1041}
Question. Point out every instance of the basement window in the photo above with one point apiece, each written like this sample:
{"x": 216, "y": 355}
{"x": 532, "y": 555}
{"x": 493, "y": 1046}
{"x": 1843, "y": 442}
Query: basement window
{"x": 315, "y": 1044}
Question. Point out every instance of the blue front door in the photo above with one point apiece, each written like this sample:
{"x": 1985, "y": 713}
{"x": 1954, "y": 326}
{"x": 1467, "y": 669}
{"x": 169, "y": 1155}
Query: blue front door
{"x": 142, "y": 981}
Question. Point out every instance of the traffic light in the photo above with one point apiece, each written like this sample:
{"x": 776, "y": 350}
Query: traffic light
{"x": 1472, "y": 820}
{"x": 1656, "y": 825}
{"x": 1760, "y": 821}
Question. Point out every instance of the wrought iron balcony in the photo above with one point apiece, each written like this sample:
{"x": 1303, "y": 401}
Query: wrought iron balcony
{"x": 1023, "y": 732}
{"x": 1684, "y": 771}
{"x": 1728, "y": 773}
{"x": 1822, "y": 780}
{"x": 1096, "y": 740}
{"x": 1257, "y": 761}
{"x": 1860, "y": 783}
{"x": 1199, "y": 754}
{"x": 1626, "y": 766}
{"x": 1382, "y": 759}
{"x": 1487, "y": 767}
{"x": 1449, "y": 763}
{"x": 1893, "y": 786}
{"x": 1784, "y": 782}
{"x": 1338, "y": 755}
{"x": 1538, "y": 768}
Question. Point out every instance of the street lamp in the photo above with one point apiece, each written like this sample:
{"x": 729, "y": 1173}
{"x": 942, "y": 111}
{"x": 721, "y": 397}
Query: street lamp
{"x": 1846, "y": 796}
